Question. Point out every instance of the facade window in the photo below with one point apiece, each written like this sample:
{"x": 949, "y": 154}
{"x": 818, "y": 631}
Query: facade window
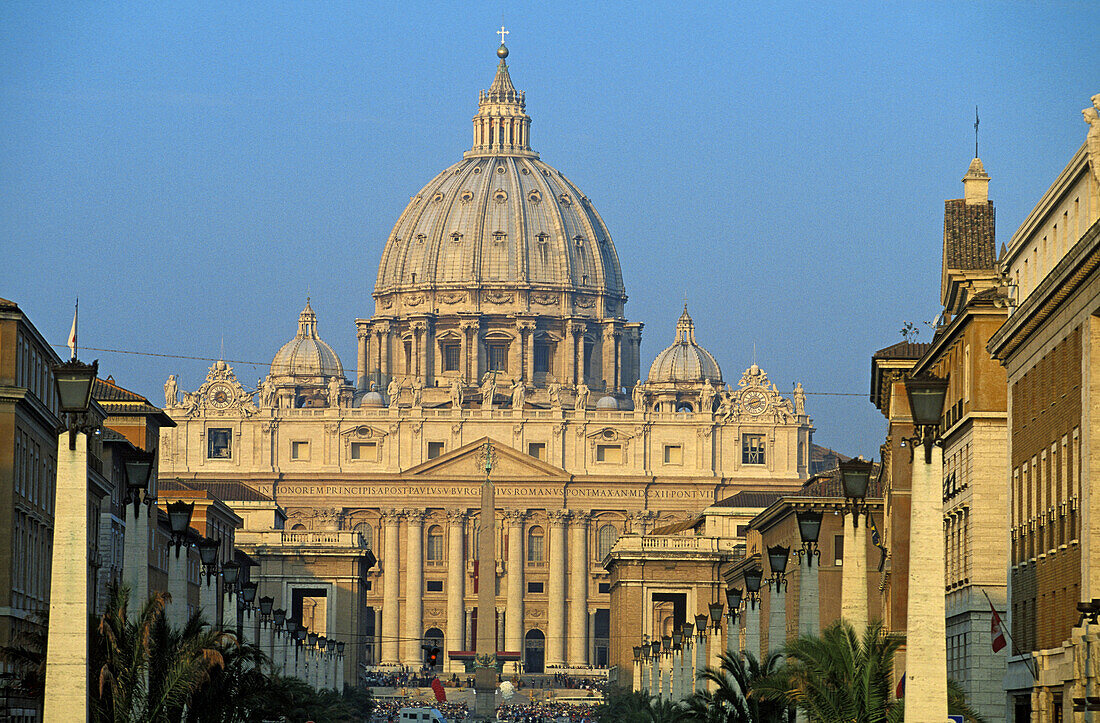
{"x": 498, "y": 357}
{"x": 299, "y": 450}
{"x": 674, "y": 454}
{"x": 605, "y": 540}
{"x": 408, "y": 357}
{"x": 435, "y": 543}
{"x": 609, "y": 453}
{"x": 218, "y": 444}
{"x": 535, "y": 587}
{"x": 433, "y": 585}
{"x": 535, "y": 539}
{"x": 838, "y": 550}
{"x": 752, "y": 449}
{"x": 542, "y": 358}
{"x": 364, "y": 451}
{"x": 605, "y": 588}
{"x": 365, "y": 529}
{"x": 450, "y": 357}
{"x": 588, "y": 372}
{"x": 537, "y": 450}
{"x": 435, "y": 449}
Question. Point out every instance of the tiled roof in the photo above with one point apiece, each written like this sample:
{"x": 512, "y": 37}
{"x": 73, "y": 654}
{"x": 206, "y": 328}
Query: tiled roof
{"x": 105, "y": 390}
{"x": 968, "y": 235}
{"x": 902, "y": 350}
{"x": 224, "y": 491}
{"x": 749, "y": 498}
{"x": 676, "y": 527}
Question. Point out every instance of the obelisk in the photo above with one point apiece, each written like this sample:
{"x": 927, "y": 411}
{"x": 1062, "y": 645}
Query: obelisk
{"x": 485, "y": 663}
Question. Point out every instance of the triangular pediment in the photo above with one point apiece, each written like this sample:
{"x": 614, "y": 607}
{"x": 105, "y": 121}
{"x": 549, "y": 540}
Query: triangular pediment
{"x": 466, "y": 462}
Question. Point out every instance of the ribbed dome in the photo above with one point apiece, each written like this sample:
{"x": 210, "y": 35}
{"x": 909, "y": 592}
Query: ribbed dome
{"x": 307, "y": 355}
{"x": 500, "y": 219}
{"x": 685, "y": 360}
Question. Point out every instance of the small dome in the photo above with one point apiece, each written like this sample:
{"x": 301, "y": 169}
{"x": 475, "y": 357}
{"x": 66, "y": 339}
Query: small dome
{"x": 372, "y": 400}
{"x": 685, "y": 360}
{"x": 608, "y": 402}
{"x": 306, "y": 355}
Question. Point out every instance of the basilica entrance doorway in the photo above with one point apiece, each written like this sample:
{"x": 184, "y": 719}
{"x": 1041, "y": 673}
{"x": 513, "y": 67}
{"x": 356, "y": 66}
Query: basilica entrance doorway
{"x": 534, "y": 647}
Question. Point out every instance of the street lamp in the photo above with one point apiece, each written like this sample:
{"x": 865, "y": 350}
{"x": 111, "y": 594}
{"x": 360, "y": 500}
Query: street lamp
{"x": 926, "y": 396}
{"x": 809, "y": 529}
{"x": 666, "y": 644}
{"x": 733, "y": 600}
{"x": 715, "y": 610}
{"x": 248, "y": 594}
{"x": 279, "y": 616}
{"x": 777, "y": 561}
{"x": 701, "y": 623}
{"x": 754, "y": 576}
{"x": 74, "y": 380}
{"x": 339, "y": 647}
{"x": 331, "y": 643}
{"x": 312, "y": 640}
{"x": 138, "y": 466}
{"x": 208, "y": 556}
{"x": 231, "y": 574}
{"x": 677, "y": 638}
{"x": 266, "y": 603}
{"x": 179, "y": 519}
{"x": 855, "y": 475}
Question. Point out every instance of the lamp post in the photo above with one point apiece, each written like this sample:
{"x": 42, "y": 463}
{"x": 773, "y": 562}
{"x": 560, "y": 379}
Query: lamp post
{"x": 279, "y": 644}
{"x": 666, "y": 667}
{"x": 636, "y": 680}
{"x": 677, "y": 663}
{"x": 714, "y": 609}
{"x": 138, "y": 466}
{"x": 778, "y": 555}
{"x": 855, "y": 476}
{"x": 733, "y": 628}
{"x": 66, "y": 694}
{"x": 700, "y": 652}
{"x": 754, "y": 577}
{"x": 340, "y": 666}
{"x": 653, "y": 680}
{"x": 208, "y": 593}
{"x": 231, "y": 575}
{"x": 809, "y": 613}
{"x": 244, "y": 626}
{"x": 179, "y": 520}
{"x": 687, "y": 684}
{"x": 926, "y": 633}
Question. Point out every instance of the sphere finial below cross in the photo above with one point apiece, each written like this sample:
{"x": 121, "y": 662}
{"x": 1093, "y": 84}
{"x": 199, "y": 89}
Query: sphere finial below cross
{"x": 502, "y": 51}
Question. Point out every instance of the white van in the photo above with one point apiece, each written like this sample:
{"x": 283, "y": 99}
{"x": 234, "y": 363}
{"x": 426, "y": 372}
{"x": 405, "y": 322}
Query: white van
{"x": 420, "y": 715}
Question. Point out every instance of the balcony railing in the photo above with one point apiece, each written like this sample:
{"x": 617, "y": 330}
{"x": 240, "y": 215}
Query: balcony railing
{"x": 303, "y": 538}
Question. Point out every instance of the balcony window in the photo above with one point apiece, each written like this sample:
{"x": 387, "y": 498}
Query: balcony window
{"x": 218, "y": 441}
{"x": 752, "y": 449}
{"x": 435, "y": 543}
{"x": 611, "y": 453}
{"x": 450, "y": 357}
{"x": 535, "y": 539}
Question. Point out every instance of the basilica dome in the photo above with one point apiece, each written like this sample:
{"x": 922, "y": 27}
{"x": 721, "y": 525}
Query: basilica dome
{"x": 685, "y": 360}
{"x": 500, "y": 220}
{"x": 307, "y": 355}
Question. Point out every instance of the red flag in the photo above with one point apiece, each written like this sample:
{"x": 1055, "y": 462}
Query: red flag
{"x": 899, "y": 692}
{"x": 997, "y": 632}
{"x": 437, "y": 688}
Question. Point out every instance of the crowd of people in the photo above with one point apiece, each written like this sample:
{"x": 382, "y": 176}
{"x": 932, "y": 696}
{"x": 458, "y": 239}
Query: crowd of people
{"x": 385, "y": 711}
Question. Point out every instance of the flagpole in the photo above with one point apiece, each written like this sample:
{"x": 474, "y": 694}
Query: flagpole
{"x": 1015, "y": 650}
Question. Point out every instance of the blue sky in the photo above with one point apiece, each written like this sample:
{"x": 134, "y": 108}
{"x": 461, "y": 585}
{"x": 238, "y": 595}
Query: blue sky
{"x": 192, "y": 171}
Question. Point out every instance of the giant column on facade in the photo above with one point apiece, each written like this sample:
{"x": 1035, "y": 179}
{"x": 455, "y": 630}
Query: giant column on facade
{"x": 456, "y": 585}
{"x": 555, "y": 635}
{"x": 578, "y": 591}
{"x": 513, "y": 616}
{"x": 414, "y": 588}
{"x": 391, "y": 571}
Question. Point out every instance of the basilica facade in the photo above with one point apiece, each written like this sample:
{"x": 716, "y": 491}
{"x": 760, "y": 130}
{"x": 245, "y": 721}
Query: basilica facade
{"x": 499, "y": 316}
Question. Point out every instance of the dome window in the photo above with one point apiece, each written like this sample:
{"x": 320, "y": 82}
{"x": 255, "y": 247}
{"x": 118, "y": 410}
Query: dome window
{"x": 500, "y": 169}
{"x": 477, "y": 170}
{"x": 565, "y": 199}
{"x": 500, "y": 196}
{"x": 420, "y": 238}
{"x": 456, "y": 237}
{"x": 437, "y": 197}
{"x": 499, "y": 237}
{"x": 579, "y": 241}
{"x": 534, "y": 196}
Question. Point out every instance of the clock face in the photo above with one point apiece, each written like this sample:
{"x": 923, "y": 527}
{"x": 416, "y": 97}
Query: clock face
{"x": 754, "y": 401}
{"x": 219, "y": 396}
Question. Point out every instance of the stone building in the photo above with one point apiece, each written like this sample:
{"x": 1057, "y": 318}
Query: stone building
{"x": 1050, "y": 349}
{"x": 498, "y": 315}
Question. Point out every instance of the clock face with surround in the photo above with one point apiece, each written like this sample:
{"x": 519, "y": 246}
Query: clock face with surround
{"x": 219, "y": 396}
{"x": 754, "y": 401}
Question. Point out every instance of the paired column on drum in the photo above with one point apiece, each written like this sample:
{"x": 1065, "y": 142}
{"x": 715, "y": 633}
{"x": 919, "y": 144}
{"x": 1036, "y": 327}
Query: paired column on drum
{"x": 555, "y": 637}
{"x": 513, "y": 616}
{"x": 456, "y": 584}
{"x": 414, "y": 587}
{"x": 578, "y": 590}
{"x": 391, "y": 568}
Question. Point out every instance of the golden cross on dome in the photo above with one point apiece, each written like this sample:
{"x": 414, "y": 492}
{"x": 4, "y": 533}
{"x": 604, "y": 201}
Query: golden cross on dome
{"x": 502, "y": 32}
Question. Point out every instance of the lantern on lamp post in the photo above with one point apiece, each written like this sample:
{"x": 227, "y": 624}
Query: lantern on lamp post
{"x": 208, "y": 556}
{"x": 855, "y": 476}
{"x": 138, "y": 466}
{"x": 179, "y": 519}
{"x": 809, "y": 530}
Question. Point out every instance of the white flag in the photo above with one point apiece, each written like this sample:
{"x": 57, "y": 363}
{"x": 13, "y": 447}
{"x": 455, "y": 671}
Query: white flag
{"x": 72, "y": 334}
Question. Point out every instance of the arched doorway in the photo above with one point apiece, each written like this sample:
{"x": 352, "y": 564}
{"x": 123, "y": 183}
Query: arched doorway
{"x": 433, "y": 645}
{"x": 534, "y": 648}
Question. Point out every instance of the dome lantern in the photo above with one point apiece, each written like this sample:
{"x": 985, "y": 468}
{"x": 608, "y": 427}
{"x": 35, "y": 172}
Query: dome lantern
{"x": 501, "y": 126}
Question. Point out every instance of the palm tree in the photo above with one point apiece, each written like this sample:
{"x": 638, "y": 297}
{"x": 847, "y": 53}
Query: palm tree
{"x": 142, "y": 669}
{"x": 235, "y": 691}
{"x": 839, "y": 676}
{"x": 735, "y": 698}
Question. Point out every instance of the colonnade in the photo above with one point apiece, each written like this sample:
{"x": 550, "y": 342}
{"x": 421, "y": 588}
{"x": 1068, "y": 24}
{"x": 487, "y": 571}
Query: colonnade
{"x": 565, "y": 570}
